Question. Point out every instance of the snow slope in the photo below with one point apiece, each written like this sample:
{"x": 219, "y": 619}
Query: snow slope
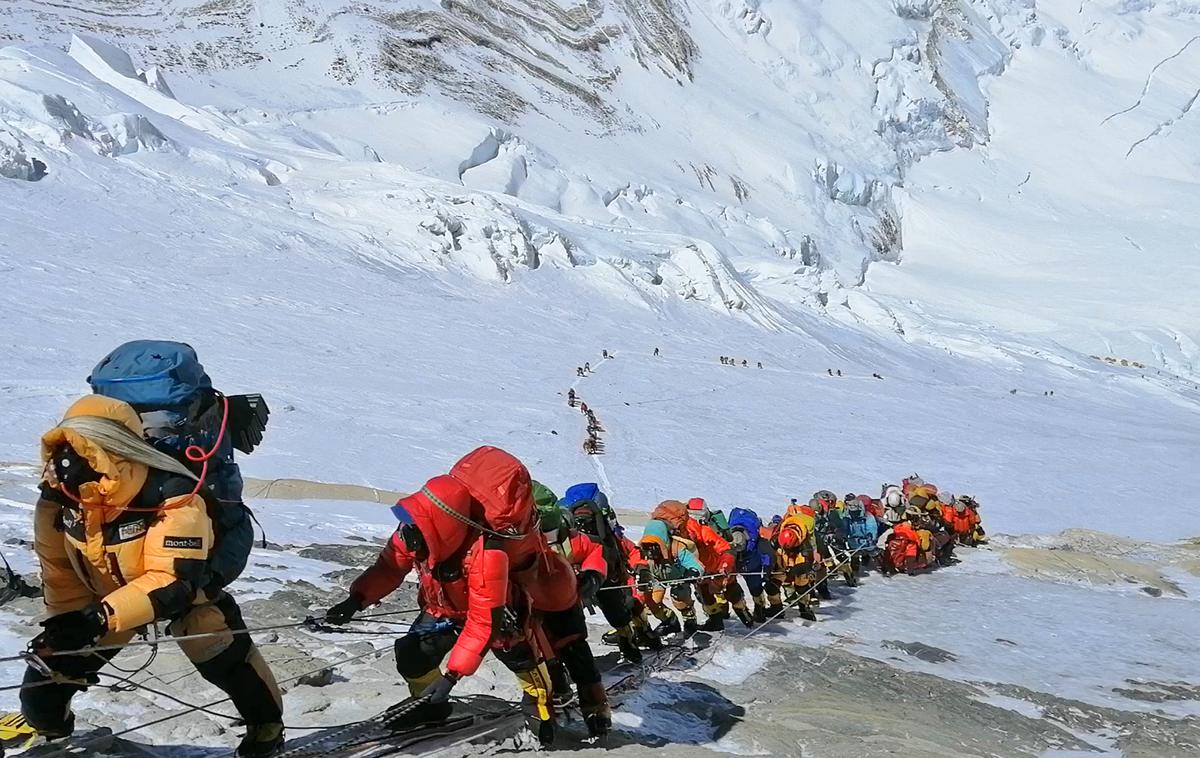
{"x": 406, "y": 223}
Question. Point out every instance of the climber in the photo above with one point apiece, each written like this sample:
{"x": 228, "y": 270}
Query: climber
{"x": 793, "y": 566}
{"x": 978, "y": 536}
{"x": 592, "y": 518}
{"x": 571, "y": 397}
{"x": 900, "y": 546}
{"x": 823, "y": 503}
{"x": 664, "y": 557}
{"x": 859, "y": 530}
{"x": 124, "y": 536}
{"x": 755, "y": 560}
{"x": 713, "y": 551}
{"x": 656, "y": 353}
{"x": 941, "y": 538}
{"x": 894, "y": 503}
{"x": 487, "y": 581}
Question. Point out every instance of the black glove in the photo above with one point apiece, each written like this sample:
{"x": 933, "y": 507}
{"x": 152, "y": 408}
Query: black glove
{"x": 644, "y": 578}
{"x": 345, "y": 610}
{"x": 589, "y": 587}
{"x": 439, "y": 691}
{"x": 690, "y": 573}
{"x": 72, "y": 631}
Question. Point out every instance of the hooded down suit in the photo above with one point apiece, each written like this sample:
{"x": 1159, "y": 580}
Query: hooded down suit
{"x": 664, "y": 557}
{"x": 130, "y": 548}
{"x": 755, "y": 560}
{"x": 484, "y": 589}
{"x": 711, "y": 548}
{"x": 795, "y": 557}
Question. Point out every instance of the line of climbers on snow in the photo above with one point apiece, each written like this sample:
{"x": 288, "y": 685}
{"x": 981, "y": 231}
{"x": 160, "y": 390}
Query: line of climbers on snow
{"x": 489, "y": 581}
{"x": 727, "y": 361}
{"x": 593, "y": 444}
{"x": 141, "y": 520}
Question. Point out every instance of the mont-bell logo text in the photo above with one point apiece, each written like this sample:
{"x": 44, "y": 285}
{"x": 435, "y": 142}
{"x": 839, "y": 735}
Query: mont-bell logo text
{"x": 184, "y": 543}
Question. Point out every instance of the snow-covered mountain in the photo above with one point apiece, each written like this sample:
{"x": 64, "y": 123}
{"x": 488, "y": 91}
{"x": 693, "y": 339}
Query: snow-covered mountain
{"x": 407, "y": 222}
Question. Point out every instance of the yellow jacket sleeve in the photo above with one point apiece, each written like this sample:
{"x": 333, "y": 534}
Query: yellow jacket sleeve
{"x": 63, "y": 589}
{"x": 175, "y": 557}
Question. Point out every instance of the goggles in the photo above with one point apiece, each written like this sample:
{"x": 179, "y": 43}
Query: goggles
{"x": 414, "y": 541}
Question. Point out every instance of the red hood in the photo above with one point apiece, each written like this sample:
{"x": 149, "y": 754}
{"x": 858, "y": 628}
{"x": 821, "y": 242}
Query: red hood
{"x": 501, "y": 486}
{"x": 443, "y": 533}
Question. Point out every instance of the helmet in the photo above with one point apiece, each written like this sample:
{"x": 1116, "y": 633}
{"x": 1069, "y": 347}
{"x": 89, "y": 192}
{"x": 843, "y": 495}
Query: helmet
{"x": 893, "y": 497}
{"x": 698, "y": 509}
{"x": 848, "y": 497}
{"x": 738, "y": 539}
{"x": 788, "y": 539}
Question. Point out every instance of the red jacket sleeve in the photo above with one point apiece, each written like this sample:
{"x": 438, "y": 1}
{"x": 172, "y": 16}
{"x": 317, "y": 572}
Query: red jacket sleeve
{"x": 487, "y": 595}
{"x": 386, "y": 574}
{"x": 589, "y": 555}
{"x": 632, "y": 553}
{"x": 716, "y": 542}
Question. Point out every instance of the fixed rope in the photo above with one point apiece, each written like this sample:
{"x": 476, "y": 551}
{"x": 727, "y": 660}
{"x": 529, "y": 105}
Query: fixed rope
{"x": 308, "y": 622}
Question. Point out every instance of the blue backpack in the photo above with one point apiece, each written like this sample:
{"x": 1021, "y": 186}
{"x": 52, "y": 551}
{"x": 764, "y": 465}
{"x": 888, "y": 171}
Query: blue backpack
{"x": 750, "y": 522}
{"x": 589, "y": 491}
{"x": 166, "y": 384}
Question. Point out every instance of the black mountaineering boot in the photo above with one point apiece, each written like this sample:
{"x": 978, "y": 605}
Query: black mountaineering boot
{"x": 598, "y": 724}
{"x": 670, "y": 626}
{"x": 629, "y": 650}
{"x": 648, "y": 638}
{"x": 261, "y": 740}
{"x": 690, "y": 627}
{"x": 744, "y": 616}
{"x": 713, "y": 623}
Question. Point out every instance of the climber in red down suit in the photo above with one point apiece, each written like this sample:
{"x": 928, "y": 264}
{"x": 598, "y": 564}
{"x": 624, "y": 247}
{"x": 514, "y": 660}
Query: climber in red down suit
{"x": 488, "y": 581}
